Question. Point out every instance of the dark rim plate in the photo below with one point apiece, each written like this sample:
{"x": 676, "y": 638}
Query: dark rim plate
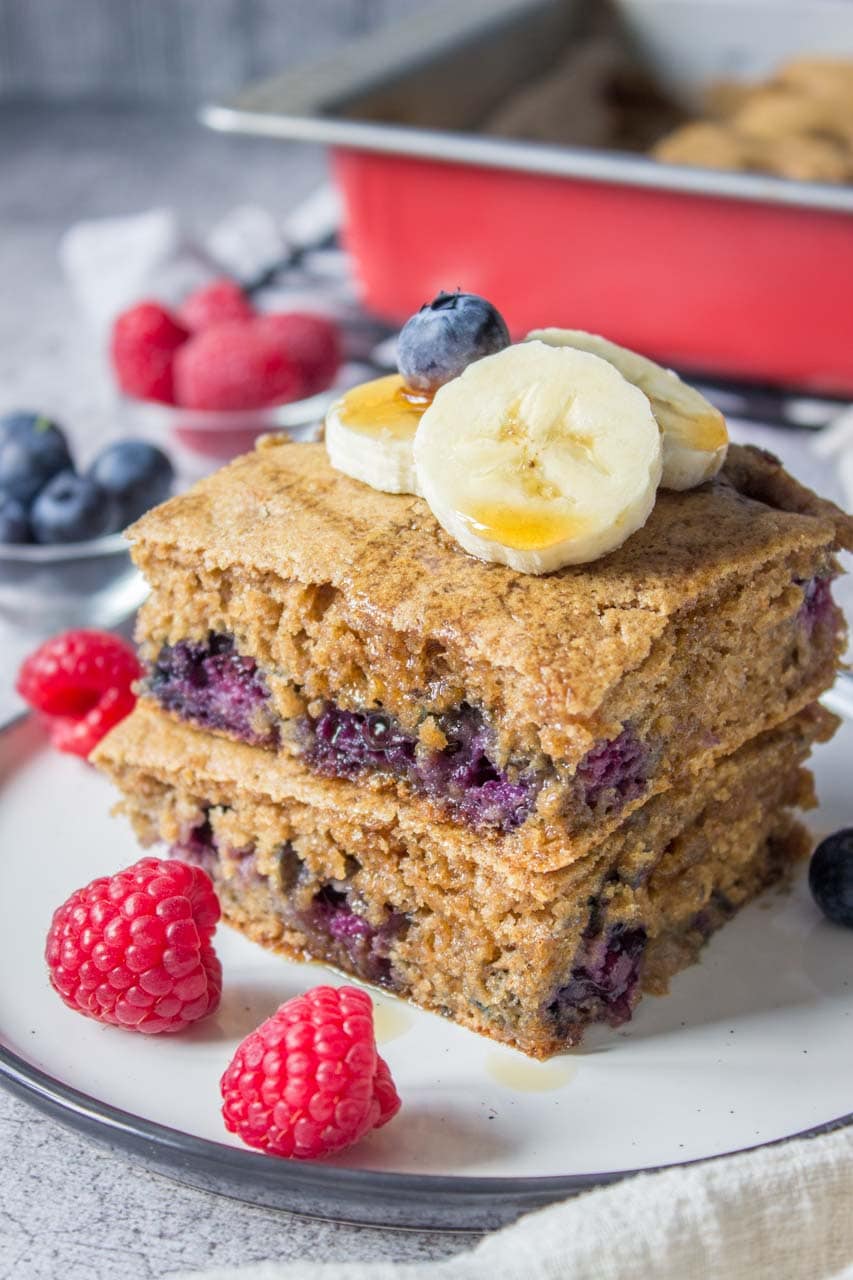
{"x": 412, "y": 1201}
{"x": 396, "y": 1200}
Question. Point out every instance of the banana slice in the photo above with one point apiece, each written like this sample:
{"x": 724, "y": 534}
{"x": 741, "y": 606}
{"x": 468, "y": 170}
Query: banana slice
{"x": 695, "y": 438}
{"x": 370, "y": 432}
{"x": 538, "y": 457}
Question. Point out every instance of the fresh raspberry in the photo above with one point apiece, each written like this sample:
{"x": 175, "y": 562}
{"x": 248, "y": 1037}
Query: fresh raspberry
{"x": 78, "y": 736}
{"x": 312, "y": 342}
{"x": 237, "y": 365}
{"x": 135, "y": 950}
{"x": 144, "y": 341}
{"x": 216, "y": 303}
{"x": 82, "y": 681}
{"x": 385, "y": 1093}
{"x": 308, "y": 1082}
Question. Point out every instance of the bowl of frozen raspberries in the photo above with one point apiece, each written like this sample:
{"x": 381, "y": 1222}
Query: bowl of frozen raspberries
{"x": 63, "y": 559}
{"x": 212, "y": 374}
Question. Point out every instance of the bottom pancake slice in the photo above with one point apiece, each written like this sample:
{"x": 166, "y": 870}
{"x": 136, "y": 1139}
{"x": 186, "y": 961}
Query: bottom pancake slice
{"x": 527, "y": 957}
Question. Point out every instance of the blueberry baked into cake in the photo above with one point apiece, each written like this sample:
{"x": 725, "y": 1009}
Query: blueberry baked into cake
{"x": 499, "y": 698}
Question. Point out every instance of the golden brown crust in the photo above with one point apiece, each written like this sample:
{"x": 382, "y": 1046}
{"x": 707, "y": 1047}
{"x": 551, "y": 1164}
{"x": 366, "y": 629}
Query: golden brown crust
{"x": 282, "y": 513}
{"x": 283, "y": 509}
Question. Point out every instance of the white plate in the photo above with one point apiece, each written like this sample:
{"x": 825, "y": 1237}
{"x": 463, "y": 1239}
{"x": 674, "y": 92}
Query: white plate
{"x": 752, "y": 1045}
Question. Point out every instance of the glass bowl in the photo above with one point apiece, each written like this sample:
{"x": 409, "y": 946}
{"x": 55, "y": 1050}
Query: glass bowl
{"x": 44, "y": 589}
{"x": 199, "y": 440}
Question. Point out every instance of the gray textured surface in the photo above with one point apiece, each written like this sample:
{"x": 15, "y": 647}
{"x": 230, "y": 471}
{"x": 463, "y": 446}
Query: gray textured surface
{"x": 151, "y": 50}
{"x": 69, "y": 1209}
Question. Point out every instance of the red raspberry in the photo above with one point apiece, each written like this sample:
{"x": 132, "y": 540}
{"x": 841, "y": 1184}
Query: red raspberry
{"x": 216, "y": 303}
{"x": 312, "y": 341}
{"x": 308, "y": 1082}
{"x": 82, "y": 681}
{"x": 235, "y": 366}
{"x": 135, "y": 950}
{"x": 144, "y": 341}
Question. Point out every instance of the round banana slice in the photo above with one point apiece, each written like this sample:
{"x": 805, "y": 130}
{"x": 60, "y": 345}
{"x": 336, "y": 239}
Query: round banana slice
{"x": 370, "y": 432}
{"x": 539, "y": 457}
{"x": 695, "y": 439}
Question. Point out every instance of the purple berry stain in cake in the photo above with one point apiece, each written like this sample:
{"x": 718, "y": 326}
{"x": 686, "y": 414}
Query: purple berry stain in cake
{"x": 615, "y": 772}
{"x": 365, "y": 946}
{"x": 344, "y": 743}
{"x": 818, "y": 607}
{"x": 198, "y": 846}
{"x": 604, "y": 981}
{"x": 213, "y": 686}
{"x": 462, "y": 775}
{"x": 330, "y": 920}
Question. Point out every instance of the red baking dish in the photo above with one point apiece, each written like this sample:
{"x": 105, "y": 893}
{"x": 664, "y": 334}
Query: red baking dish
{"x": 727, "y": 273}
{"x": 708, "y": 283}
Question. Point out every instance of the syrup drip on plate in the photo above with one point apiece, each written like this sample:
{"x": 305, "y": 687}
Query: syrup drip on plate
{"x": 524, "y": 1076}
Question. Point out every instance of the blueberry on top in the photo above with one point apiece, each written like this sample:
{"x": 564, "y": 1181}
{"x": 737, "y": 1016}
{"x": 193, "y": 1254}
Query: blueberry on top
{"x": 438, "y": 342}
{"x": 136, "y": 474}
{"x": 72, "y": 508}
{"x": 32, "y": 450}
{"x": 14, "y": 520}
{"x": 831, "y": 877}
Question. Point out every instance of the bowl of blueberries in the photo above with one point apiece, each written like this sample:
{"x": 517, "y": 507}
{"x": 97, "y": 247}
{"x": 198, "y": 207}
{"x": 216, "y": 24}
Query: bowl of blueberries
{"x": 63, "y": 559}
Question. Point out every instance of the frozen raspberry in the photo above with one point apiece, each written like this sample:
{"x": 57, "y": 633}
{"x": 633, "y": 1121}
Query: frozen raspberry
{"x": 238, "y": 365}
{"x": 308, "y": 1082}
{"x": 144, "y": 341}
{"x": 135, "y": 950}
{"x": 312, "y": 341}
{"x": 216, "y": 303}
{"x": 82, "y": 682}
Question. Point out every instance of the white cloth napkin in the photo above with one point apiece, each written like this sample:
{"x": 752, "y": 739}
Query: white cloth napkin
{"x": 110, "y": 263}
{"x": 781, "y": 1213}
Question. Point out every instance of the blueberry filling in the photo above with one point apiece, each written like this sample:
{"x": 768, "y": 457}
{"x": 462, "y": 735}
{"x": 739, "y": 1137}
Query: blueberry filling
{"x": 212, "y": 685}
{"x": 216, "y": 687}
{"x": 461, "y": 775}
{"x": 326, "y": 915}
{"x": 818, "y": 606}
{"x": 615, "y": 772}
{"x": 604, "y": 979}
{"x": 198, "y": 847}
{"x": 344, "y": 743}
{"x": 366, "y": 946}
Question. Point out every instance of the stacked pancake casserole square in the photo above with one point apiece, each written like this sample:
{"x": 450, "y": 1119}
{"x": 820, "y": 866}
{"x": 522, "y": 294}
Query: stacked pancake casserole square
{"x": 515, "y": 798}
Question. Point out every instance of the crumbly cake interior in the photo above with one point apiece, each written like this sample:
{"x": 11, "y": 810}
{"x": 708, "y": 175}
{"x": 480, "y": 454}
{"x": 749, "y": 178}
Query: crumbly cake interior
{"x": 299, "y": 611}
{"x": 526, "y": 956}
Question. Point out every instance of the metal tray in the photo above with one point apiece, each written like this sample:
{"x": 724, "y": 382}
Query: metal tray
{"x": 712, "y": 270}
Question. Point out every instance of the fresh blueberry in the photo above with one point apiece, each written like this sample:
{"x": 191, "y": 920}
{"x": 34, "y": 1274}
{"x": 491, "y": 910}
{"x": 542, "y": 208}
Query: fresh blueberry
{"x": 447, "y": 335}
{"x": 72, "y": 508}
{"x": 14, "y": 520}
{"x": 32, "y": 451}
{"x": 831, "y": 877}
{"x": 135, "y": 474}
